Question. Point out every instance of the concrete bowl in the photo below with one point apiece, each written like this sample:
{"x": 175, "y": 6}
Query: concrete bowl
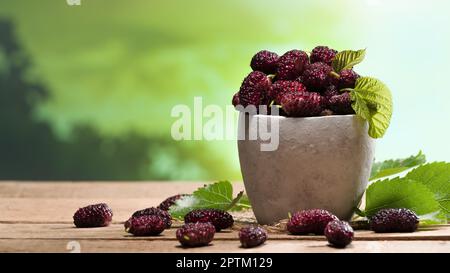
{"x": 320, "y": 162}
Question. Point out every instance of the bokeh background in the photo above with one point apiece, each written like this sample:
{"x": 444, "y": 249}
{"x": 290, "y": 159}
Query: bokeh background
{"x": 86, "y": 91}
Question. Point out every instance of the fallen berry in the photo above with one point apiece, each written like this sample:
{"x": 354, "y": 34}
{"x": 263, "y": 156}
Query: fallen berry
{"x": 301, "y": 104}
{"x": 265, "y": 61}
{"x": 310, "y": 221}
{"x": 394, "y": 220}
{"x": 146, "y": 225}
{"x": 196, "y": 234}
{"x": 339, "y": 233}
{"x": 166, "y": 204}
{"x": 291, "y": 65}
{"x": 164, "y": 215}
{"x": 251, "y": 236}
{"x": 219, "y": 218}
{"x": 323, "y": 54}
{"x": 98, "y": 215}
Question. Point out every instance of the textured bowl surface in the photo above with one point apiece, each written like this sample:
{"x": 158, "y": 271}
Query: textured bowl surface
{"x": 321, "y": 162}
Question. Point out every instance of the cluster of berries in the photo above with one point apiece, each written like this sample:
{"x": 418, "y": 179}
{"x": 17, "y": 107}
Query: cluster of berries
{"x": 302, "y": 85}
{"x": 202, "y": 224}
{"x": 340, "y": 233}
{"x": 198, "y": 230}
{"x": 319, "y": 222}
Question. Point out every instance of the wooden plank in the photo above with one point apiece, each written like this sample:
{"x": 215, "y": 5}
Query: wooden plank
{"x": 116, "y": 232}
{"x": 120, "y": 189}
{"x": 62, "y": 245}
{"x": 61, "y": 210}
{"x": 37, "y": 217}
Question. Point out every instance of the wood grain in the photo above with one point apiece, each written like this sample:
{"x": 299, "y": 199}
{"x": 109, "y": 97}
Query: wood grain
{"x": 116, "y": 232}
{"x": 37, "y": 217}
{"x": 60, "y": 245}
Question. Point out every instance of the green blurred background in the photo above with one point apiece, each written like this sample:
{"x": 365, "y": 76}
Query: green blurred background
{"x": 86, "y": 91}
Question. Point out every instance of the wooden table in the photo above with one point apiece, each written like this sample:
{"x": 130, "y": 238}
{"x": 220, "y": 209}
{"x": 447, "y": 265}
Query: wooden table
{"x": 37, "y": 217}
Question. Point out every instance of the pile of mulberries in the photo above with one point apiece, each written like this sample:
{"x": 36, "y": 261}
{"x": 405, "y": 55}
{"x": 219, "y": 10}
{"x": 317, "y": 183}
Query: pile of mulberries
{"x": 321, "y": 222}
{"x": 299, "y": 83}
{"x": 201, "y": 224}
{"x": 219, "y": 218}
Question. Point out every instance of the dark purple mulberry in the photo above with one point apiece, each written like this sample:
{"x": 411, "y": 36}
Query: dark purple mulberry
{"x": 196, "y": 234}
{"x": 146, "y": 225}
{"x": 323, "y": 54}
{"x": 304, "y": 104}
{"x": 394, "y": 220}
{"x": 339, "y": 233}
{"x": 341, "y": 104}
{"x": 234, "y": 101}
{"x": 326, "y": 112}
{"x": 251, "y": 236}
{"x": 254, "y": 89}
{"x": 164, "y": 215}
{"x": 282, "y": 87}
{"x": 219, "y": 218}
{"x": 310, "y": 221}
{"x": 98, "y": 215}
{"x": 331, "y": 90}
{"x": 265, "y": 61}
{"x": 291, "y": 65}
{"x": 317, "y": 76}
{"x": 166, "y": 204}
{"x": 347, "y": 78}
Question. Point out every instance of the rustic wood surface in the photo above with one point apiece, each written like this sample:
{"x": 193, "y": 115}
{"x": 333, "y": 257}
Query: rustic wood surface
{"x": 37, "y": 217}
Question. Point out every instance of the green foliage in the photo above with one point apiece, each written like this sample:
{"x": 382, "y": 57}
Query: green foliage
{"x": 395, "y": 166}
{"x": 218, "y": 195}
{"x": 435, "y": 176}
{"x": 347, "y": 59}
{"x": 400, "y": 193}
{"x": 372, "y": 100}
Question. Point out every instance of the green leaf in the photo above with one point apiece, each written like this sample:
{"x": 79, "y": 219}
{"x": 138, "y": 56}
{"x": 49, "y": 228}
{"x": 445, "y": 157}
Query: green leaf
{"x": 435, "y": 176}
{"x": 347, "y": 59}
{"x": 400, "y": 193}
{"x": 391, "y": 167}
{"x": 218, "y": 195}
{"x": 434, "y": 218}
{"x": 372, "y": 100}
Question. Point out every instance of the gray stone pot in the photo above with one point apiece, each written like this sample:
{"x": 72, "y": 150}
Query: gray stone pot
{"x": 321, "y": 162}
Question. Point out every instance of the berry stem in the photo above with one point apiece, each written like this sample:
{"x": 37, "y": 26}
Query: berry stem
{"x": 335, "y": 75}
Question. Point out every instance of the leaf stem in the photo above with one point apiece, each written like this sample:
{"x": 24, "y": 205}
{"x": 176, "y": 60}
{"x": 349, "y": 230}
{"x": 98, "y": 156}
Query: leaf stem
{"x": 346, "y": 90}
{"x": 235, "y": 200}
